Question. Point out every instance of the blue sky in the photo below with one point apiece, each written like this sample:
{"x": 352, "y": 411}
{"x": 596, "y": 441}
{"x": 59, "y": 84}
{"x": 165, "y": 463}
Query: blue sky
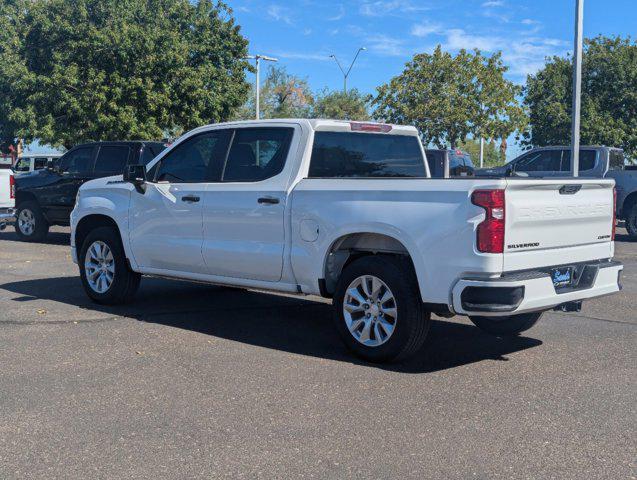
{"x": 302, "y": 34}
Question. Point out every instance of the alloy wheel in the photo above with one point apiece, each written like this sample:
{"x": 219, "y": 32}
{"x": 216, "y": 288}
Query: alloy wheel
{"x": 99, "y": 266}
{"x": 370, "y": 310}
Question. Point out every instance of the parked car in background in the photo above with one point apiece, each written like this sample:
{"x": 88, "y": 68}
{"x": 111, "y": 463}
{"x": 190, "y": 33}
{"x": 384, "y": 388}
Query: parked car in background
{"x": 460, "y": 164}
{"x": 347, "y": 210}
{"x": 7, "y": 197}
{"x": 34, "y": 161}
{"x": 46, "y": 197}
{"x": 555, "y": 161}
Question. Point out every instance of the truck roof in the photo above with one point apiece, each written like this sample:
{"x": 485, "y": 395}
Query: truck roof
{"x": 317, "y": 124}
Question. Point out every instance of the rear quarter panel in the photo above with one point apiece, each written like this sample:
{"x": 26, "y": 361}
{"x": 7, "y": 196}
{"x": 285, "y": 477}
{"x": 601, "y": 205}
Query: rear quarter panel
{"x": 434, "y": 220}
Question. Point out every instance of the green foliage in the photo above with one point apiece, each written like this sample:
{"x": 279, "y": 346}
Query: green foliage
{"x": 123, "y": 69}
{"x": 492, "y": 154}
{"x": 342, "y": 106}
{"x": 609, "y": 97}
{"x": 284, "y": 95}
{"x": 15, "y": 78}
{"x": 451, "y": 97}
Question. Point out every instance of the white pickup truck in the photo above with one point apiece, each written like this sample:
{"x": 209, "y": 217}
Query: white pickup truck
{"x": 348, "y": 211}
{"x": 7, "y": 197}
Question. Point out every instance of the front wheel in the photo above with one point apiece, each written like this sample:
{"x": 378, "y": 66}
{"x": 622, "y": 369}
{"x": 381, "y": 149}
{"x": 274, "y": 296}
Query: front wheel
{"x": 378, "y": 310}
{"x": 508, "y": 325}
{"x": 105, "y": 274}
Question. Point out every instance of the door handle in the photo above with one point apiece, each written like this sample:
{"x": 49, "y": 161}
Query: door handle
{"x": 190, "y": 198}
{"x": 268, "y": 200}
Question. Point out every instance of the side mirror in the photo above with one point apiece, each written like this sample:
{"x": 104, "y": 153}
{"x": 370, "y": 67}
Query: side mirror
{"x": 136, "y": 174}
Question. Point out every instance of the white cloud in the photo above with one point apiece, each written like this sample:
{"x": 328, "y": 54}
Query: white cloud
{"x": 493, "y": 3}
{"x": 279, "y": 13}
{"x": 523, "y": 56}
{"x": 425, "y": 29}
{"x": 458, "y": 39}
{"x": 381, "y": 8}
{"x": 316, "y": 56}
{"x": 529, "y": 21}
{"x": 387, "y": 46}
{"x": 339, "y": 15}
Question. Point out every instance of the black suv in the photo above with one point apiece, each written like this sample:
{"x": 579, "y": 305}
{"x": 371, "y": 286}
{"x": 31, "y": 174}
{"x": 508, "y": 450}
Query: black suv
{"x": 46, "y": 197}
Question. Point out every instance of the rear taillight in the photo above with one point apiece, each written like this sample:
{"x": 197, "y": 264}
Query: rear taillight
{"x": 11, "y": 186}
{"x": 490, "y": 233}
{"x": 612, "y": 235}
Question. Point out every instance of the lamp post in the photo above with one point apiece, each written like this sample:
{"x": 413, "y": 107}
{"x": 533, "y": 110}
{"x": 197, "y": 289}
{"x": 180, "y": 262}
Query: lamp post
{"x": 346, "y": 74}
{"x": 257, "y": 59}
{"x": 577, "y": 85}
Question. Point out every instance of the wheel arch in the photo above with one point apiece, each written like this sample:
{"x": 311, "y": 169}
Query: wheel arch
{"x": 90, "y": 222}
{"x": 353, "y": 245}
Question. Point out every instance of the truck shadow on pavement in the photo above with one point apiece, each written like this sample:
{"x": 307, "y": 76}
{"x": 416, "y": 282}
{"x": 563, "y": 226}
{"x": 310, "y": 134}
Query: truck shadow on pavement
{"x": 290, "y": 324}
{"x": 52, "y": 238}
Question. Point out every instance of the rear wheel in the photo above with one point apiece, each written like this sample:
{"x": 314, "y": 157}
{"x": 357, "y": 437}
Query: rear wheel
{"x": 378, "y": 310}
{"x": 509, "y": 325}
{"x": 105, "y": 274}
{"x": 30, "y": 224}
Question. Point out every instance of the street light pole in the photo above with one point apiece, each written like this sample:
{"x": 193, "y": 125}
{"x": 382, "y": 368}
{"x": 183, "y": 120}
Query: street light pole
{"x": 257, "y": 59}
{"x": 346, "y": 74}
{"x": 577, "y": 85}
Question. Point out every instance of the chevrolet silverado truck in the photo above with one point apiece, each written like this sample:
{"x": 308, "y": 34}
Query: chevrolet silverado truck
{"x": 7, "y": 197}
{"x": 348, "y": 211}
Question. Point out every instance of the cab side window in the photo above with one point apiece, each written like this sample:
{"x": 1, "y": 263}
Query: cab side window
{"x": 257, "y": 154}
{"x": 542, "y": 161}
{"x": 196, "y": 160}
{"x": 112, "y": 159}
{"x": 587, "y": 160}
{"x": 78, "y": 161}
{"x": 39, "y": 163}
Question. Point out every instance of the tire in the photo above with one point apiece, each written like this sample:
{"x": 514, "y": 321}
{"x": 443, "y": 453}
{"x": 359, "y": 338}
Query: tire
{"x": 404, "y": 315}
{"x": 507, "y": 326}
{"x": 631, "y": 222}
{"x": 30, "y": 224}
{"x": 123, "y": 282}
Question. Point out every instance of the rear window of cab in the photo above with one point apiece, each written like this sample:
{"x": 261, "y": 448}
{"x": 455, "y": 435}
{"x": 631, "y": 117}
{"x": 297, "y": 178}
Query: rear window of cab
{"x": 366, "y": 155}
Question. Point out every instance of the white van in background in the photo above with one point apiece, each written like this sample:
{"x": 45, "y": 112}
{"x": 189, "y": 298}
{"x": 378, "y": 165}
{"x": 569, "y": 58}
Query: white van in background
{"x": 34, "y": 161}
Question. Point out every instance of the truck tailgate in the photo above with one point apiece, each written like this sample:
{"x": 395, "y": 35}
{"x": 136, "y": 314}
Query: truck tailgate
{"x": 557, "y": 222}
{"x": 5, "y": 198}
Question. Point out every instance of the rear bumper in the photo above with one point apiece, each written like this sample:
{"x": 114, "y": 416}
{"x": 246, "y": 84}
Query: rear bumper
{"x": 528, "y": 291}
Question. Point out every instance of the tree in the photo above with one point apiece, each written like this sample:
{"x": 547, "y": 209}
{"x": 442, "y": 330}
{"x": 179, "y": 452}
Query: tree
{"x": 341, "y": 106}
{"x": 492, "y": 155}
{"x": 450, "y": 97}
{"x": 284, "y": 95}
{"x": 15, "y": 78}
{"x": 609, "y": 97}
{"x": 112, "y": 69}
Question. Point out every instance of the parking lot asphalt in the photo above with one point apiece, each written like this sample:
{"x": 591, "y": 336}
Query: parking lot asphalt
{"x": 195, "y": 381}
